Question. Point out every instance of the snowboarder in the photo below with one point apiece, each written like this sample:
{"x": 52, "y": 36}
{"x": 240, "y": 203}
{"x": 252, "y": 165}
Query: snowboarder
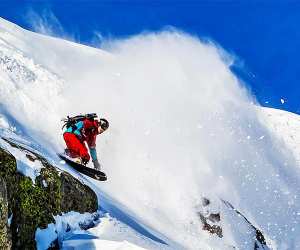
{"x": 83, "y": 129}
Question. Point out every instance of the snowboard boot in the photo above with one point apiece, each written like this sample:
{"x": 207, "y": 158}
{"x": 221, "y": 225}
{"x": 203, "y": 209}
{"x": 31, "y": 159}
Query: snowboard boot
{"x": 97, "y": 165}
{"x": 77, "y": 160}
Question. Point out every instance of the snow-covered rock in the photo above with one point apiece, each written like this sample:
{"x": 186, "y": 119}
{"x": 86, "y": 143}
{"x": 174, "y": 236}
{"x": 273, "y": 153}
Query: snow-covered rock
{"x": 30, "y": 204}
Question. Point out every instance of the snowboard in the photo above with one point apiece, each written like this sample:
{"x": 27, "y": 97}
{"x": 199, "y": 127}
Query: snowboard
{"x": 93, "y": 173}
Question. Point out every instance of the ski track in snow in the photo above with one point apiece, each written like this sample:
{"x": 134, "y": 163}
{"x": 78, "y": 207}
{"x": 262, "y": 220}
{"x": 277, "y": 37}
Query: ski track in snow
{"x": 182, "y": 126}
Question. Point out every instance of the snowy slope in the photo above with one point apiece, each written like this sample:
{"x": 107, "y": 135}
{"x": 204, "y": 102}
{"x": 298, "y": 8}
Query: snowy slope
{"x": 286, "y": 126}
{"x": 182, "y": 128}
{"x": 108, "y": 232}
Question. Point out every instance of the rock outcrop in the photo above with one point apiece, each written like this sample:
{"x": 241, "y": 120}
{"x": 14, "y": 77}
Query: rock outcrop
{"x": 31, "y": 205}
{"x": 5, "y": 237}
{"x": 211, "y": 222}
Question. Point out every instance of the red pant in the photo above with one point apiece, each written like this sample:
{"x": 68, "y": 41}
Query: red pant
{"x": 76, "y": 147}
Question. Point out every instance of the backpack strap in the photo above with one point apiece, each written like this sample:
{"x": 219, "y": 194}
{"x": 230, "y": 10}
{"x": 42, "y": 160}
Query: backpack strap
{"x": 71, "y": 121}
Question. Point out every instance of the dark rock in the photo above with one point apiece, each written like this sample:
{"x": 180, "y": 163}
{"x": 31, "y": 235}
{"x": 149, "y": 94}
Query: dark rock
{"x": 205, "y": 202}
{"x": 5, "y": 238}
{"x": 34, "y": 205}
{"x": 68, "y": 228}
{"x": 214, "y": 217}
{"x": 213, "y": 229}
{"x": 210, "y": 222}
{"x": 76, "y": 196}
{"x": 30, "y": 157}
{"x": 93, "y": 221}
{"x": 260, "y": 237}
{"x": 259, "y": 240}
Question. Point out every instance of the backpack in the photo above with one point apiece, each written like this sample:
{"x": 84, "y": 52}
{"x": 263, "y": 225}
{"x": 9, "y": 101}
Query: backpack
{"x": 71, "y": 121}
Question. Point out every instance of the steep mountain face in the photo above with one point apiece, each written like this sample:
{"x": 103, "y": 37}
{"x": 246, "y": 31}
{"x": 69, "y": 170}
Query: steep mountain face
{"x": 43, "y": 206}
{"x": 192, "y": 162}
{"x": 33, "y": 205}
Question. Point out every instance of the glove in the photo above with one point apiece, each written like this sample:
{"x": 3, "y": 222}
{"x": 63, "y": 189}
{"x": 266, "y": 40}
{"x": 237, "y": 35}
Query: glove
{"x": 97, "y": 165}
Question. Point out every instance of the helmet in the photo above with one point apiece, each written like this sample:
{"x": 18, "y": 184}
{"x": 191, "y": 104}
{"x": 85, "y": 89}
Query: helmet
{"x": 103, "y": 123}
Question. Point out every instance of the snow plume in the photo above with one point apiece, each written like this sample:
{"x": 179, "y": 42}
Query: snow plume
{"x": 45, "y": 23}
{"x": 182, "y": 127}
{"x": 28, "y": 92}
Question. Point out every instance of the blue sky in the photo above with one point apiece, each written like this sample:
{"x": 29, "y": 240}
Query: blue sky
{"x": 264, "y": 35}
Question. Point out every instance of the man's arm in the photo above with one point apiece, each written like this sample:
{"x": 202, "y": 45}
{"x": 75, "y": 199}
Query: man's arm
{"x": 93, "y": 153}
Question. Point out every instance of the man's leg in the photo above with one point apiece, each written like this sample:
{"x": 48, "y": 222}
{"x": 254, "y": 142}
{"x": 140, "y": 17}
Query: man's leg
{"x": 76, "y": 147}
